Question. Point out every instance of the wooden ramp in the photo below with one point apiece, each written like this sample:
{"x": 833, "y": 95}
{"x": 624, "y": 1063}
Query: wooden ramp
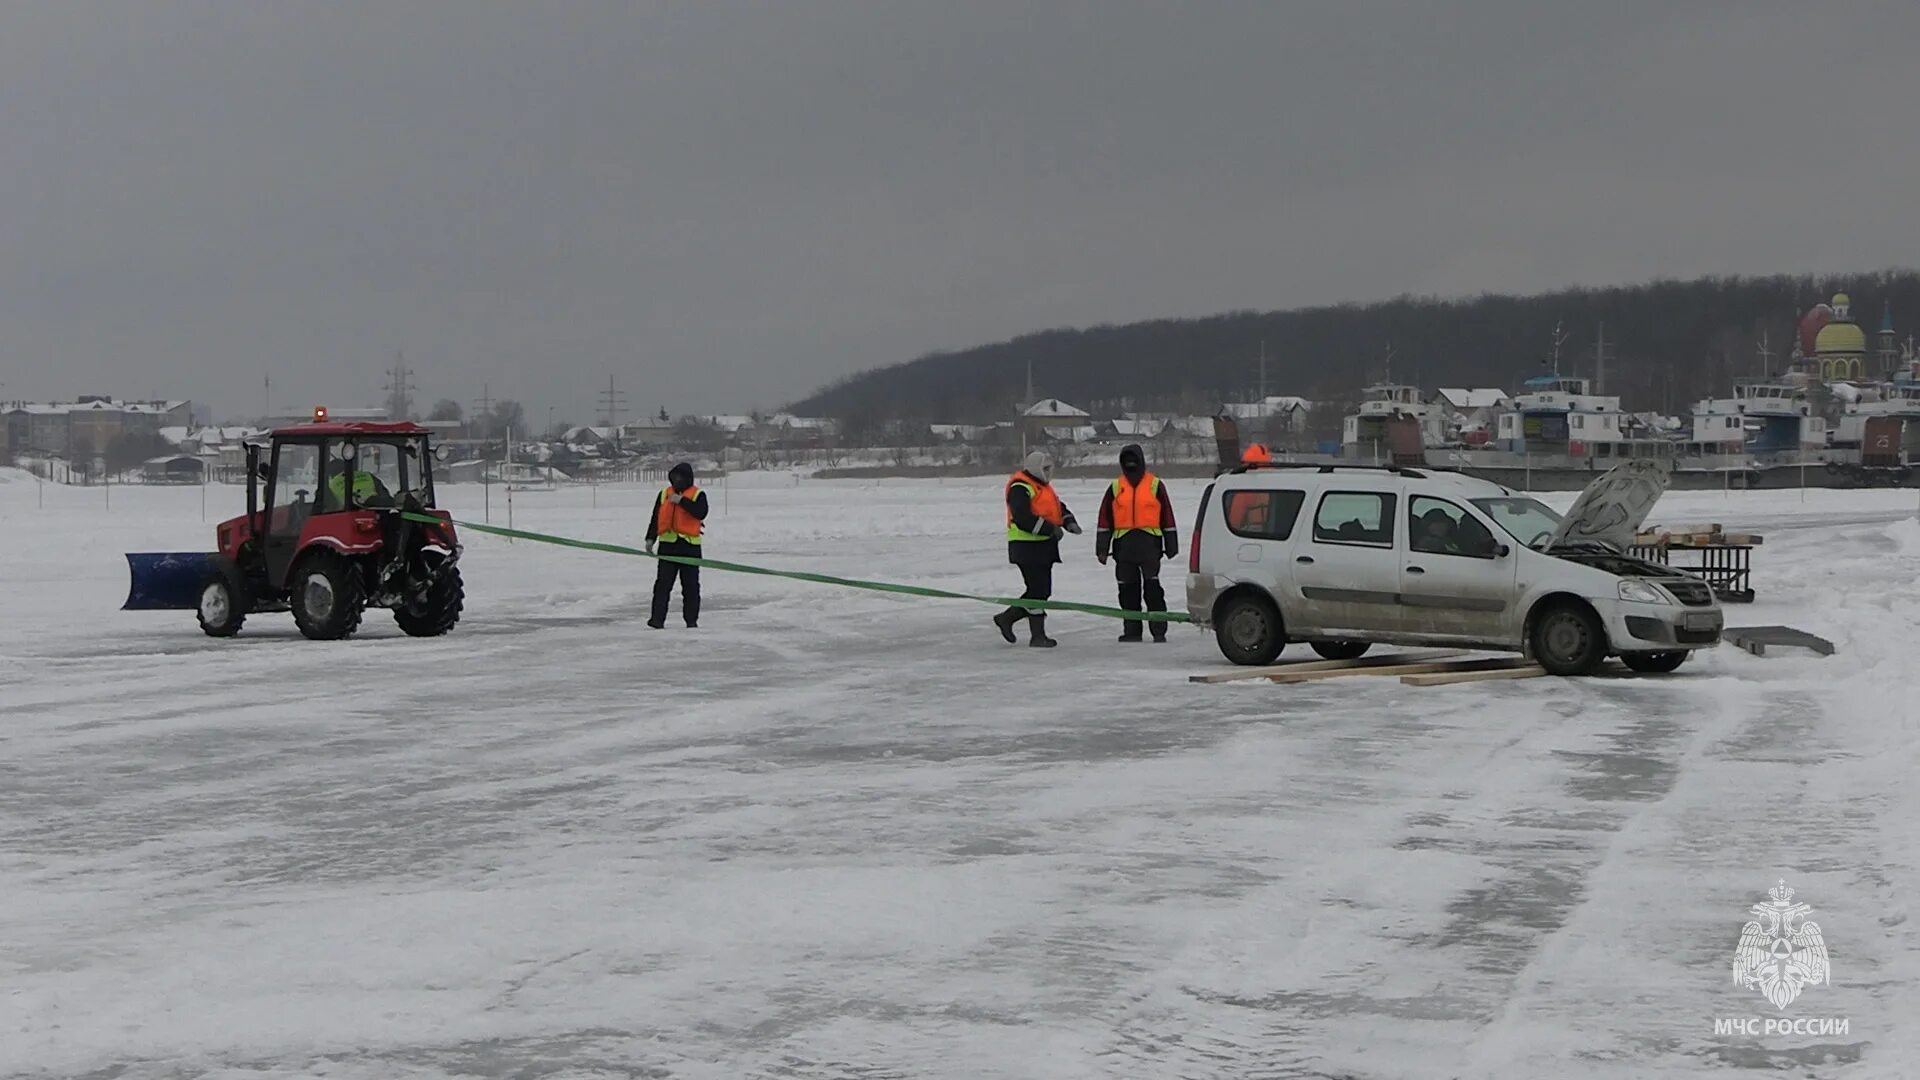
{"x": 1448, "y": 678}
{"x": 1293, "y": 666}
{"x": 1430, "y": 667}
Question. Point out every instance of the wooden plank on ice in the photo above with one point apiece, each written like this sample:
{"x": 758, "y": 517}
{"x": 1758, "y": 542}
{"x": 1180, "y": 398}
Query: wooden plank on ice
{"x": 1447, "y": 678}
{"x": 1290, "y": 666}
{"x": 1493, "y": 664}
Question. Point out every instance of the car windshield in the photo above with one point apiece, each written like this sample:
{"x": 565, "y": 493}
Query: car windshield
{"x": 1526, "y": 520}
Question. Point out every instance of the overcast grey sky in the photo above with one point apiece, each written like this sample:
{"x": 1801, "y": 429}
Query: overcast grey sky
{"x": 725, "y": 205}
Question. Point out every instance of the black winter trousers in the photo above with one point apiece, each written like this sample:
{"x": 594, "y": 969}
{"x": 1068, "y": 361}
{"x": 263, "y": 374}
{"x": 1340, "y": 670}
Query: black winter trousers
{"x": 1038, "y": 578}
{"x": 689, "y": 577}
{"x": 1141, "y": 581}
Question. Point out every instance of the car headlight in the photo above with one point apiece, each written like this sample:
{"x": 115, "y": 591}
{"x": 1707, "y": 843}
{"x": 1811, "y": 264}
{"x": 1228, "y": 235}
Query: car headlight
{"x": 1640, "y": 592}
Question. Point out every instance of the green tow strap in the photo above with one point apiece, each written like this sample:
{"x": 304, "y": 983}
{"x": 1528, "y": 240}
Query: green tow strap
{"x": 821, "y": 579}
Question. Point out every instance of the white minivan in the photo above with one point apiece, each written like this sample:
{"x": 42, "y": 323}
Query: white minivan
{"x": 1342, "y": 557}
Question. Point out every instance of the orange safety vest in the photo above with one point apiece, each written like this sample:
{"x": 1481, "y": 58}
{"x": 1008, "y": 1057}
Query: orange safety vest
{"x": 1046, "y": 505}
{"x": 1136, "y": 506}
{"x": 1248, "y": 513}
{"x": 672, "y": 521}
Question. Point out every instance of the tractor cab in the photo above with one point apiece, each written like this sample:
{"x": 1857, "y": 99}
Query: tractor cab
{"x": 333, "y": 525}
{"x": 334, "y": 482}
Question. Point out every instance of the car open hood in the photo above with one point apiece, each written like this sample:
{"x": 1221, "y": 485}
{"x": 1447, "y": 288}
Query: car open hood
{"x": 1613, "y": 507}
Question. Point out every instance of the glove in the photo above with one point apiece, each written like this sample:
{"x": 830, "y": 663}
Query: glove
{"x": 649, "y": 547}
{"x": 1171, "y": 547}
{"x": 673, "y": 496}
{"x": 1072, "y": 526}
{"x": 1102, "y": 557}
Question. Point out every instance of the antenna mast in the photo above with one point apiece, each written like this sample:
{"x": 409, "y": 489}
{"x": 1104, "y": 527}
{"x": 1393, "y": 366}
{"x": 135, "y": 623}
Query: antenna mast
{"x": 1559, "y": 339}
{"x": 1600, "y": 360}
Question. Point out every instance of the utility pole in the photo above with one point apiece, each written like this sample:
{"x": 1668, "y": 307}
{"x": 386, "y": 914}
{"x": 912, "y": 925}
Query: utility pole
{"x": 1559, "y": 339}
{"x": 399, "y": 389}
{"x": 1766, "y": 357}
{"x": 1263, "y": 369}
{"x": 613, "y": 404}
{"x": 266, "y": 400}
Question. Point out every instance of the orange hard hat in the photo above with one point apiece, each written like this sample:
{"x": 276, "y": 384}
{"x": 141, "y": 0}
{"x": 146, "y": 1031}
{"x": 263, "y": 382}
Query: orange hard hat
{"x": 1256, "y": 455}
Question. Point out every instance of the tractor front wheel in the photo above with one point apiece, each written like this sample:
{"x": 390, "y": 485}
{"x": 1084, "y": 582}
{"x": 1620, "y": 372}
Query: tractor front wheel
{"x": 327, "y": 596}
{"x": 224, "y": 604}
{"x": 435, "y": 613}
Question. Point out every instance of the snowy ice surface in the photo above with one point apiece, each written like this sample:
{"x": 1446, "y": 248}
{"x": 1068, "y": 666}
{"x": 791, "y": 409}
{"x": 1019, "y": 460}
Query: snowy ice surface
{"x": 841, "y": 834}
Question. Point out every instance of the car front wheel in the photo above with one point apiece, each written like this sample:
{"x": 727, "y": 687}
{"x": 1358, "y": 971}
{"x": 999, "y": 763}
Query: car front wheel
{"x": 1568, "y": 639}
{"x": 1248, "y": 630}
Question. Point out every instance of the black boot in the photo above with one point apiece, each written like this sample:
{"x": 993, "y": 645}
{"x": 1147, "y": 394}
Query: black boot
{"x": 1005, "y": 621}
{"x": 1159, "y": 631}
{"x": 1130, "y": 630}
{"x": 1038, "y": 625}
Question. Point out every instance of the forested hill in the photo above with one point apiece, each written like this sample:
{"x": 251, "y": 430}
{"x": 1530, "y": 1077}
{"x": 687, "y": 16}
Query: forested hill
{"x": 1668, "y": 343}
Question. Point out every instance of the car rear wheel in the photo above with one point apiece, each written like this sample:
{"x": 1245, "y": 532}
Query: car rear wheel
{"x": 1248, "y": 630}
{"x": 327, "y": 596}
{"x": 1568, "y": 639}
{"x": 1654, "y": 663}
{"x": 1341, "y": 650}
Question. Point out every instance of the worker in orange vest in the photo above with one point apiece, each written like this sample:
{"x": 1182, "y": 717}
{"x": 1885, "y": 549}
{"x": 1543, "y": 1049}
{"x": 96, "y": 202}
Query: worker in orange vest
{"x": 1035, "y": 520}
{"x": 1137, "y": 528}
{"x": 679, "y": 516}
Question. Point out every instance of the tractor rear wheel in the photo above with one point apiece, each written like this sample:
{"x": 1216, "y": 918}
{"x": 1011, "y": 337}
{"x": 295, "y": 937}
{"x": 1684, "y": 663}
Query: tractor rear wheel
{"x": 224, "y": 603}
{"x": 438, "y": 611}
{"x": 328, "y": 596}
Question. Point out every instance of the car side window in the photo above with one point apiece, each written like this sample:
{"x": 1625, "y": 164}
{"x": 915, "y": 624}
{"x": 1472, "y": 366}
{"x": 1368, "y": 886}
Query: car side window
{"x": 1438, "y": 527}
{"x": 1355, "y": 517}
{"x": 1263, "y": 515}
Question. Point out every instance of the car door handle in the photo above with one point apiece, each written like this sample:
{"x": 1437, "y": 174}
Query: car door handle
{"x": 1304, "y": 559}
{"x": 1415, "y": 570}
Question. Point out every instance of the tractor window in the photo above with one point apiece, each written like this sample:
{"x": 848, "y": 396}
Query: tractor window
{"x": 296, "y": 479}
{"x": 370, "y": 470}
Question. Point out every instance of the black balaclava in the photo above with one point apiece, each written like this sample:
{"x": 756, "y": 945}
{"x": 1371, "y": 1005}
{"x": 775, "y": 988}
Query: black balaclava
{"x": 1133, "y": 463}
{"x": 680, "y": 476}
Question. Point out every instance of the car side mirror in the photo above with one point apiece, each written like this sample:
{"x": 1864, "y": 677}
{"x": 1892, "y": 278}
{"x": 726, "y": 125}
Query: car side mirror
{"x": 1502, "y": 551}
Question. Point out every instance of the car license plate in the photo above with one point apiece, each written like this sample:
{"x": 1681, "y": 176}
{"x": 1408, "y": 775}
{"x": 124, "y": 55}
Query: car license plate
{"x": 1702, "y": 620}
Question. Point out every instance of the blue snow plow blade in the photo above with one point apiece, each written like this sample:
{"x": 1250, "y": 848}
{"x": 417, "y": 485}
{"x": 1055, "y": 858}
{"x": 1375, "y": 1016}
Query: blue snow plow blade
{"x": 167, "y": 581}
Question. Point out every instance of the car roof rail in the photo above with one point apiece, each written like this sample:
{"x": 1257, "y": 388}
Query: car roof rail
{"x": 1398, "y": 470}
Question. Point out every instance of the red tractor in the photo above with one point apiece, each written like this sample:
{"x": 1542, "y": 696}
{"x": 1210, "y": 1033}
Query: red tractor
{"x": 336, "y": 533}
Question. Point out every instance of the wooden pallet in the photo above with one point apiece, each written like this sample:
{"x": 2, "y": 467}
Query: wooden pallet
{"x": 1291, "y": 666}
{"x": 1697, "y": 536}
